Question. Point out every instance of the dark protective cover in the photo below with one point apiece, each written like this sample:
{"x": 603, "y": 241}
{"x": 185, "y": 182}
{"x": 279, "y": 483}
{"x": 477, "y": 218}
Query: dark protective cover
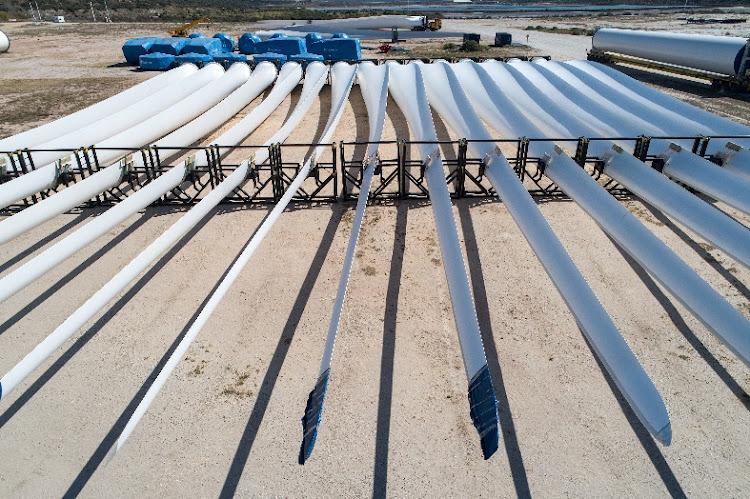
{"x": 311, "y": 419}
{"x": 483, "y": 406}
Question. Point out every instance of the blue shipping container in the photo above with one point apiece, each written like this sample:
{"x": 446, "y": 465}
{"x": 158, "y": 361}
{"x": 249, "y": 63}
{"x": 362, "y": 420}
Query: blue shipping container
{"x": 172, "y": 46}
{"x": 208, "y": 46}
{"x": 156, "y": 62}
{"x": 133, "y": 49}
{"x": 282, "y": 45}
{"x": 338, "y": 49}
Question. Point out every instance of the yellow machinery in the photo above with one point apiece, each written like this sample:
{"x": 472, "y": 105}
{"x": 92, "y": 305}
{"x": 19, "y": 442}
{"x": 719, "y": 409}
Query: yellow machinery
{"x": 185, "y": 28}
{"x": 428, "y": 25}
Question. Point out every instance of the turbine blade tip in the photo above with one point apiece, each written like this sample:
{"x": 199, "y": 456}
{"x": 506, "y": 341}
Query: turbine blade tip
{"x": 312, "y": 417}
{"x": 664, "y": 435}
{"x": 483, "y": 405}
{"x": 112, "y": 453}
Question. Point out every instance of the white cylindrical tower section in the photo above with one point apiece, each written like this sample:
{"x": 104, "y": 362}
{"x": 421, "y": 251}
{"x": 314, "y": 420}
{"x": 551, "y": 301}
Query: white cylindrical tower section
{"x": 718, "y": 54}
{"x": 4, "y": 42}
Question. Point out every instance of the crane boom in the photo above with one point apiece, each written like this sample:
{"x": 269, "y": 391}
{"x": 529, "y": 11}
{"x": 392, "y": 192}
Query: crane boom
{"x": 183, "y": 30}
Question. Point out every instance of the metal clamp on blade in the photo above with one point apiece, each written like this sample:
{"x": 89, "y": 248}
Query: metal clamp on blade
{"x": 663, "y": 158}
{"x": 546, "y": 160}
{"x": 189, "y": 164}
{"x": 63, "y": 169}
{"x": 430, "y": 158}
{"x": 492, "y": 156}
{"x": 725, "y": 155}
{"x": 313, "y": 171}
{"x": 369, "y": 159}
{"x": 252, "y": 172}
{"x": 126, "y": 165}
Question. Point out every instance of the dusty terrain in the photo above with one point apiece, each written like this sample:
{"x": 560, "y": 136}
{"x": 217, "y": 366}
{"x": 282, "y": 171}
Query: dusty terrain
{"x": 396, "y": 419}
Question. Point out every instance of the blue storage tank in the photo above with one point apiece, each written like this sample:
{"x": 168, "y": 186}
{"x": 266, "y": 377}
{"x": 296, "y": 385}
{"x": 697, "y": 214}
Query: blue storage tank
{"x": 277, "y": 59}
{"x": 208, "y": 46}
{"x": 196, "y": 35}
{"x": 278, "y": 35}
{"x": 227, "y": 42}
{"x": 193, "y": 58}
{"x": 282, "y": 45}
{"x": 338, "y": 49}
{"x": 133, "y": 49}
{"x": 172, "y": 46}
{"x": 156, "y": 62}
{"x": 340, "y": 35}
{"x": 247, "y": 44}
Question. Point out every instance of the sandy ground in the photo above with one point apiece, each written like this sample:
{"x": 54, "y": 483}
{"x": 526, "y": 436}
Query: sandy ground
{"x": 396, "y": 419}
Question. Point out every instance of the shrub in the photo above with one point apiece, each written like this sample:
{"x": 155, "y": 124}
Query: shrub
{"x": 472, "y": 46}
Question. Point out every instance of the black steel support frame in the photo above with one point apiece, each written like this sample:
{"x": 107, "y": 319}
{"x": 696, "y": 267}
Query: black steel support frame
{"x": 396, "y": 177}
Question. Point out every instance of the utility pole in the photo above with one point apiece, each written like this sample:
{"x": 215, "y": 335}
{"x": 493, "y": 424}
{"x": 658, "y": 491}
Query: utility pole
{"x": 39, "y": 14}
{"x": 106, "y": 10}
{"x": 31, "y": 9}
{"x": 93, "y": 15}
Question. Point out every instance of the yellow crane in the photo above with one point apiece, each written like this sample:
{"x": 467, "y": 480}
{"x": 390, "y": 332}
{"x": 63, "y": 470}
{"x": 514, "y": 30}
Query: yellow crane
{"x": 185, "y": 28}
